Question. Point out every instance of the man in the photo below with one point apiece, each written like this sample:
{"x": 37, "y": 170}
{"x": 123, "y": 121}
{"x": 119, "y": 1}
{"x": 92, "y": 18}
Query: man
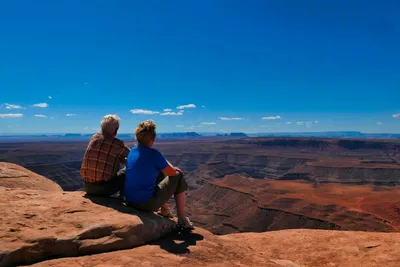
{"x": 101, "y": 163}
{"x": 145, "y": 188}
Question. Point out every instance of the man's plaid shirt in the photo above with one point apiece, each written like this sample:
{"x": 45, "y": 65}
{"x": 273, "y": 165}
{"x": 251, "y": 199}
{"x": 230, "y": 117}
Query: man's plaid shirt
{"x": 102, "y": 158}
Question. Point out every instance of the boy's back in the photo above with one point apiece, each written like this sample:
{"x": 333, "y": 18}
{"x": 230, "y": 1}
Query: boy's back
{"x": 142, "y": 168}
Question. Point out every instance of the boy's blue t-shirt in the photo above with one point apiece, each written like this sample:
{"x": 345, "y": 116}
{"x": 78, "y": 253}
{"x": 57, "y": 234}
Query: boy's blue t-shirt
{"x": 142, "y": 168}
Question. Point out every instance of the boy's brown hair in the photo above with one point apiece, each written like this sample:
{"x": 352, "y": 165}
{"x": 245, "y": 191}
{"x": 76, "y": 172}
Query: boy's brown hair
{"x": 145, "y": 132}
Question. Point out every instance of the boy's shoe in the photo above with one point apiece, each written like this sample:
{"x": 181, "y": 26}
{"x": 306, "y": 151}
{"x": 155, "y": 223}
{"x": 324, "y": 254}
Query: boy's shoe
{"x": 166, "y": 213}
{"x": 185, "y": 223}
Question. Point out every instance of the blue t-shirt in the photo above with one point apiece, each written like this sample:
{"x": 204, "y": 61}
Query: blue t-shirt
{"x": 142, "y": 168}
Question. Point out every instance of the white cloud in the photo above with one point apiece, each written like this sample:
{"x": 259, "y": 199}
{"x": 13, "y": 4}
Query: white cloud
{"x": 70, "y": 114}
{"x": 172, "y": 114}
{"x": 12, "y": 106}
{"x": 186, "y": 106}
{"x": 143, "y": 111}
{"x": 180, "y": 126}
{"x": 230, "y": 119}
{"x": 208, "y": 123}
{"x": 11, "y": 115}
{"x": 316, "y": 122}
{"x": 304, "y": 123}
{"x": 86, "y": 128}
{"x": 396, "y": 116}
{"x": 380, "y": 123}
{"x": 40, "y": 116}
{"x": 167, "y": 109}
{"x": 289, "y": 122}
{"x": 50, "y": 97}
{"x": 41, "y": 105}
{"x": 203, "y": 106}
{"x": 272, "y": 118}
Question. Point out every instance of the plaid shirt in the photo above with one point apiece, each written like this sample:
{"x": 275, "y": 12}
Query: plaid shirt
{"x": 102, "y": 158}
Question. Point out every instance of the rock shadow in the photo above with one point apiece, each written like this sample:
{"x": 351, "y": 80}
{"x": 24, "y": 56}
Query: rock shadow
{"x": 175, "y": 242}
{"x": 118, "y": 205}
{"x": 178, "y": 242}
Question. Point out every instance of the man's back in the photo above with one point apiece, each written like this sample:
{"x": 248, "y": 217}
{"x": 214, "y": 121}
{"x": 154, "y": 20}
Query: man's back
{"x": 102, "y": 158}
{"x": 142, "y": 168}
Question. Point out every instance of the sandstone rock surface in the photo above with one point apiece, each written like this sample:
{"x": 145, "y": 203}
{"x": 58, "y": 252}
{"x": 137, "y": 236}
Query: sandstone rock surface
{"x": 14, "y": 176}
{"x": 286, "y": 248}
{"x": 37, "y": 225}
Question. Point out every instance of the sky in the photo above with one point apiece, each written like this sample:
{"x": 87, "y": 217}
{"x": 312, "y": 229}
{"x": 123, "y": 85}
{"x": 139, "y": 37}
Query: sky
{"x": 204, "y": 66}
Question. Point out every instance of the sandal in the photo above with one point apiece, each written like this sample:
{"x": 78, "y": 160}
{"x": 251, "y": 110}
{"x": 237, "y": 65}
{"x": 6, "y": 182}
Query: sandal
{"x": 185, "y": 223}
{"x": 165, "y": 213}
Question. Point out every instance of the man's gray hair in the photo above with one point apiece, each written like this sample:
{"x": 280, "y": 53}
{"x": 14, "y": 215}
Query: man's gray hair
{"x": 110, "y": 125}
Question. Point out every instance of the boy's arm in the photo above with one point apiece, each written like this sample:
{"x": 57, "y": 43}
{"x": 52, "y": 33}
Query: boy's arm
{"x": 176, "y": 168}
{"x": 171, "y": 170}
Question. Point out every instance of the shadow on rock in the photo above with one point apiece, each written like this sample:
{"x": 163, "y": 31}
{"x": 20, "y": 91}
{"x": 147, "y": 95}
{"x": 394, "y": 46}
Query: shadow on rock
{"x": 178, "y": 243}
{"x": 118, "y": 205}
{"x": 175, "y": 242}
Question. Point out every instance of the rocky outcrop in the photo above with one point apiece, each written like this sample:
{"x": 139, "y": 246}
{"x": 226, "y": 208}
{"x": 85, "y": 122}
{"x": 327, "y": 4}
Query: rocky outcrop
{"x": 14, "y": 176}
{"x": 38, "y": 225}
{"x": 288, "y": 248}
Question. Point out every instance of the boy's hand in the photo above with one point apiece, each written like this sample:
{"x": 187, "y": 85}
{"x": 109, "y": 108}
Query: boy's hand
{"x": 179, "y": 170}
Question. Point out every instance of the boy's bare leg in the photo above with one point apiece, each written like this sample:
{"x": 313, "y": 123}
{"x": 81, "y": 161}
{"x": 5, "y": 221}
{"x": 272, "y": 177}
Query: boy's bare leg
{"x": 180, "y": 205}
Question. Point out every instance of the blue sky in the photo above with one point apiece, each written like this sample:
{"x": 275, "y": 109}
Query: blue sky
{"x": 300, "y": 65}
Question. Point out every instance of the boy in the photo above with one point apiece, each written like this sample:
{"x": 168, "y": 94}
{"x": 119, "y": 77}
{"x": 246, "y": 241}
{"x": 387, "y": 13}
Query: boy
{"x": 145, "y": 188}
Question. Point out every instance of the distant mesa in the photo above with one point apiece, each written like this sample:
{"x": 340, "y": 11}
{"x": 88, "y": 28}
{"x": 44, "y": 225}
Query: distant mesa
{"x": 72, "y": 135}
{"x": 125, "y": 136}
{"x": 179, "y": 135}
{"x": 331, "y": 134}
{"x": 238, "y": 135}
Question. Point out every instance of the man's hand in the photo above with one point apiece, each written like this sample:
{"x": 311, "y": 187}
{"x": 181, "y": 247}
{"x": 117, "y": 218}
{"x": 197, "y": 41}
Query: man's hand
{"x": 179, "y": 170}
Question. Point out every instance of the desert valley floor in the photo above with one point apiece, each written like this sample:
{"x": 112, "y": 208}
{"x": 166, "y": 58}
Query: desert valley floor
{"x": 260, "y": 184}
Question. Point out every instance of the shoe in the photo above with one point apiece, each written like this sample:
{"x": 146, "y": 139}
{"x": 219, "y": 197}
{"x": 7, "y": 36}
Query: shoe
{"x": 115, "y": 195}
{"x": 118, "y": 196}
{"x": 165, "y": 213}
{"x": 185, "y": 223}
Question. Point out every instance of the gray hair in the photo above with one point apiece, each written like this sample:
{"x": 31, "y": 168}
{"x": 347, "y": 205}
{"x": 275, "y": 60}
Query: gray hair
{"x": 110, "y": 125}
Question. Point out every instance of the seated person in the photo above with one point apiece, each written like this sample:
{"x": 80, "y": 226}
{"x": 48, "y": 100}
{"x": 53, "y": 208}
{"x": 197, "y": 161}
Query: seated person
{"x": 145, "y": 188}
{"x": 101, "y": 163}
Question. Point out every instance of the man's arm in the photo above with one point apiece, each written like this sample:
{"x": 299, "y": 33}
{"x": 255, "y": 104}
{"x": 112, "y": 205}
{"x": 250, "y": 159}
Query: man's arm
{"x": 124, "y": 153}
